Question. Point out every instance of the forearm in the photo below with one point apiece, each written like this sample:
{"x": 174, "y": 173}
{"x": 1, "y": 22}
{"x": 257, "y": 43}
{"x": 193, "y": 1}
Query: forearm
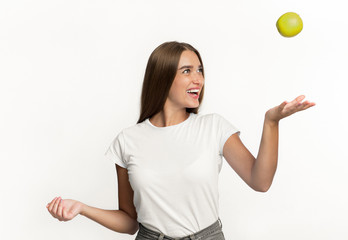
{"x": 116, "y": 220}
{"x": 265, "y": 166}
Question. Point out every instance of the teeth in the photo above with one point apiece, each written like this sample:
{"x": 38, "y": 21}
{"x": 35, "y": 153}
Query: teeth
{"x": 193, "y": 90}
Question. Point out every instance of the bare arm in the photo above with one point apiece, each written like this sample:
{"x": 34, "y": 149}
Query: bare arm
{"x": 116, "y": 220}
{"x": 259, "y": 173}
{"x": 265, "y": 165}
{"x": 123, "y": 220}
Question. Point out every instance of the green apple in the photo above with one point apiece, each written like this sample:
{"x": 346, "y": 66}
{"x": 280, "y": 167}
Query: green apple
{"x": 289, "y": 24}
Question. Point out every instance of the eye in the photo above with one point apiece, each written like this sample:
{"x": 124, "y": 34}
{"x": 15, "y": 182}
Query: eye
{"x": 186, "y": 71}
{"x": 200, "y": 70}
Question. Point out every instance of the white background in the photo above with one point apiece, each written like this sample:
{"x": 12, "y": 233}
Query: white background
{"x": 71, "y": 75}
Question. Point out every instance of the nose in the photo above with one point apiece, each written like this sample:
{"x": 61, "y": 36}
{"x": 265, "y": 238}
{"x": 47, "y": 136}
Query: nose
{"x": 198, "y": 78}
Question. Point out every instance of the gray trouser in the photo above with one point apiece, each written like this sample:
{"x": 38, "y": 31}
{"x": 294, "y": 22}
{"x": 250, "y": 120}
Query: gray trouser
{"x": 212, "y": 232}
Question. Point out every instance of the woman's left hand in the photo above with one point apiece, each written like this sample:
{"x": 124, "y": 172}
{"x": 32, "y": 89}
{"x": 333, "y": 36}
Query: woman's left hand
{"x": 287, "y": 108}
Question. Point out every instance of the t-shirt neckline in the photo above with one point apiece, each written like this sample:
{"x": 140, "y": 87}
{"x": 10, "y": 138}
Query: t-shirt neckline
{"x": 172, "y": 126}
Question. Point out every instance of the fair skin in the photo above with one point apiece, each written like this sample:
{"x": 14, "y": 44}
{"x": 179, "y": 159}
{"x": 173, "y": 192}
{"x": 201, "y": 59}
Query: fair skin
{"x": 188, "y": 75}
{"x": 116, "y": 220}
{"x": 257, "y": 172}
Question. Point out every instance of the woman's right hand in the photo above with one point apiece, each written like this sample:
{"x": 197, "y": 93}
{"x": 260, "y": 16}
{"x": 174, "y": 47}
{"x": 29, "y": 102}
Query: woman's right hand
{"x": 64, "y": 209}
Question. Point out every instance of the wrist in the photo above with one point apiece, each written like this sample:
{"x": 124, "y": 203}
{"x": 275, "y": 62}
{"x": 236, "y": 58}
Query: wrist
{"x": 83, "y": 209}
{"x": 271, "y": 123}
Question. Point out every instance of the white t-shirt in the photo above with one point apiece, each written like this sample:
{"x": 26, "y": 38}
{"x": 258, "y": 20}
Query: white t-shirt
{"x": 174, "y": 170}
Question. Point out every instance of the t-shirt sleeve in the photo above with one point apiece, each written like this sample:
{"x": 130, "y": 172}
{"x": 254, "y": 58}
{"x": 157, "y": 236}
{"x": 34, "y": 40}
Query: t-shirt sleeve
{"x": 115, "y": 152}
{"x": 225, "y": 130}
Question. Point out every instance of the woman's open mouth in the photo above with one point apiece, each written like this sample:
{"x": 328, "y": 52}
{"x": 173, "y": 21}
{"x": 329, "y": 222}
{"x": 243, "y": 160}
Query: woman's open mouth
{"x": 194, "y": 95}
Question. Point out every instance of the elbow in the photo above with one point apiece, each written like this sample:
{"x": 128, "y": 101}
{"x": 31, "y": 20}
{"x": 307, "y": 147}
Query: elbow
{"x": 134, "y": 229}
{"x": 261, "y": 185}
{"x": 262, "y": 188}
{"x": 134, "y": 232}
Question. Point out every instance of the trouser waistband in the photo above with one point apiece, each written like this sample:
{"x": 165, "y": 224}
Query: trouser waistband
{"x": 199, "y": 234}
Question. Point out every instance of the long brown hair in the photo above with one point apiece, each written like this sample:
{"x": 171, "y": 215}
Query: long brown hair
{"x": 159, "y": 76}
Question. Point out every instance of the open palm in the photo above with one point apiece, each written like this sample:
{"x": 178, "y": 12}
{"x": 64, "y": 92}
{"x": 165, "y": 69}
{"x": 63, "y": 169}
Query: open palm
{"x": 288, "y": 108}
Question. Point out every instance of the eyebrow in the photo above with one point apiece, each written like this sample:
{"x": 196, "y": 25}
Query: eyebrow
{"x": 189, "y": 66}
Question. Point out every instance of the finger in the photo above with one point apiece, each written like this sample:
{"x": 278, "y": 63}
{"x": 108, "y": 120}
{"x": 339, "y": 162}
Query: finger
{"x": 294, "y": 103}
{"x": 63, "y": 213}
{"x": 55, "y": 207}
{"x": 308, "y": 105}
{"x": 300, "y": 106}
{"x": 52, "y": 214}
{"x": 60, "y": 208}
{"x": 53, "y": 200}
{"x": 297, "y": 100}
{"x": 300, "y": 98}
{"x": 293, "y": 106}
{"x": 51, "y": 204}
{"x": 281, "y": 106}
{"x": 48, "y": 204}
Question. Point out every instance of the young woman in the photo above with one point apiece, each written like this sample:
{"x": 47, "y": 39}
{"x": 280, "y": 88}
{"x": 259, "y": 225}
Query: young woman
{"x": 169, "y": 162}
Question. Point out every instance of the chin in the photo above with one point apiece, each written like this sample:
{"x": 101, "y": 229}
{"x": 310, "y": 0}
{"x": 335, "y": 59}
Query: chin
{"x": 193, "y": 106}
